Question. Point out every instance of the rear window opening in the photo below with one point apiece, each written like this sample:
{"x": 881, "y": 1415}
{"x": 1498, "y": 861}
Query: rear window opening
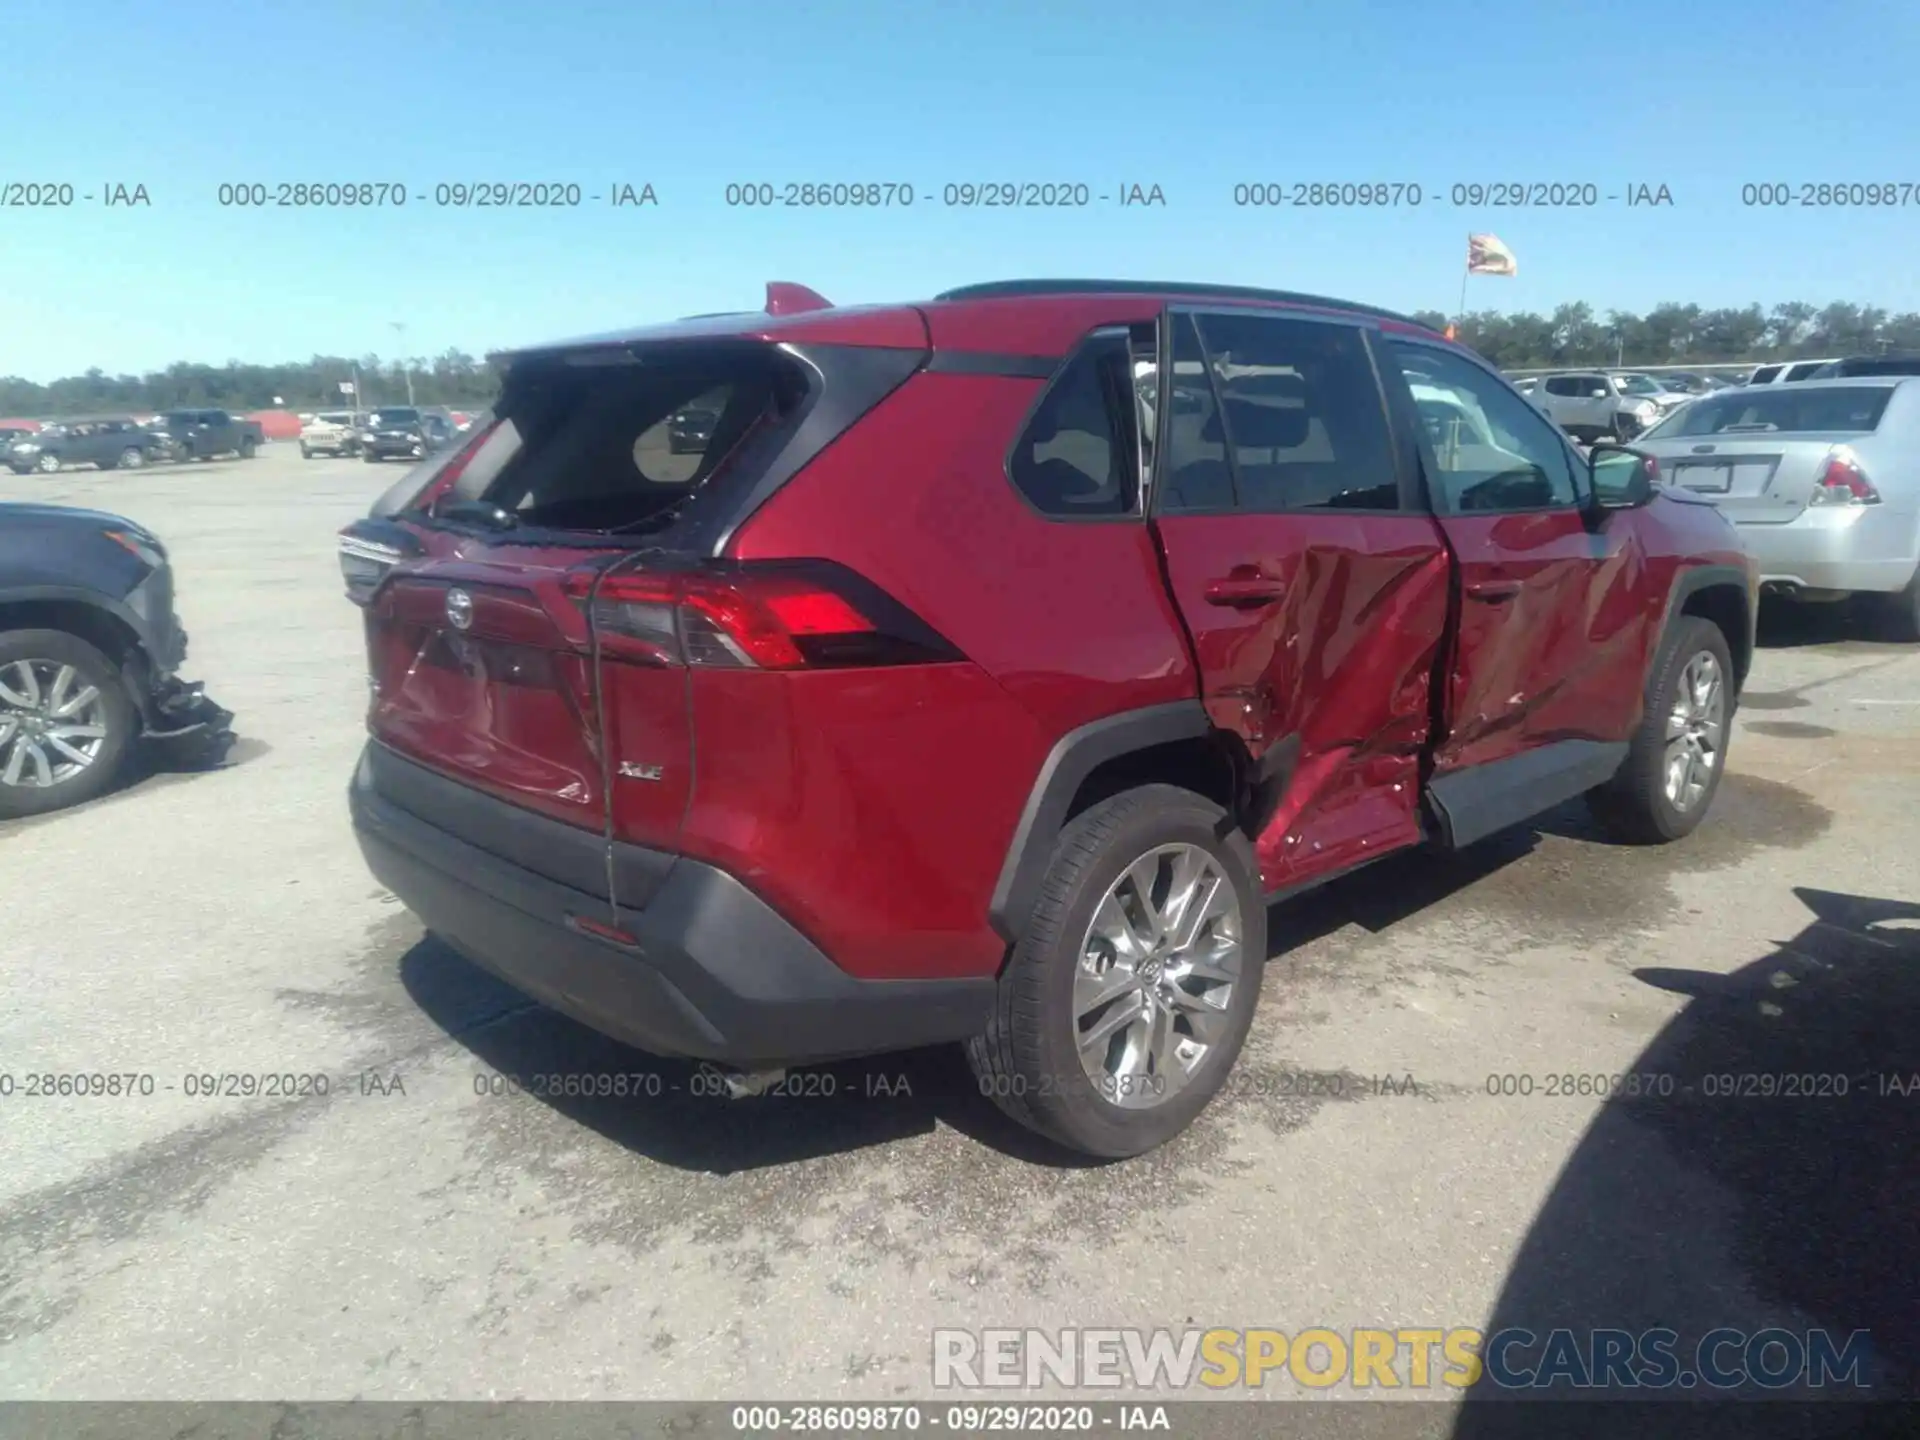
{"x": 622, "y": 446}
{"x": 1845, "y": 410}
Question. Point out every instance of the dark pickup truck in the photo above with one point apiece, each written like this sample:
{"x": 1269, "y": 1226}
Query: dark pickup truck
{"x": 109, "y": 443}
{"x": 203, "y": 434}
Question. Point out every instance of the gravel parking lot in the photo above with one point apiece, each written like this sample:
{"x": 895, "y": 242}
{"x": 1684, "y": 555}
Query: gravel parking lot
{"x": 407, "y": 1236}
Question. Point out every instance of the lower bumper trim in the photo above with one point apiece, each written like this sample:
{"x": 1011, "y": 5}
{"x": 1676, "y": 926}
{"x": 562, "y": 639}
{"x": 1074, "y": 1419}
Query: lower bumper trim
{"x": 706, "y": 971}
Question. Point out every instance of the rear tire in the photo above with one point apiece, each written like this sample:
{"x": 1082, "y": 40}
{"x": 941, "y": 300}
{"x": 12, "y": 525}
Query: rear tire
{"x": 48, "y": 652}
{"x": 1054, "y": 989}
{"x": 1899, "y": 617}
{"x": 246, "y": 449}
{"x": 1666, "y": 784}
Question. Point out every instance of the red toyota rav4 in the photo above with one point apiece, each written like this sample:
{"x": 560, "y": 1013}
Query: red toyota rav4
{"x": 991, "y": 664}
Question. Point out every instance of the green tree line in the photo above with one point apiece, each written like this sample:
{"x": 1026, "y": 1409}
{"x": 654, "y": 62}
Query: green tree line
{"x": 1675, "y": 334}
{"x": 455, "y": 379}
{"x": 1574, "y": 334}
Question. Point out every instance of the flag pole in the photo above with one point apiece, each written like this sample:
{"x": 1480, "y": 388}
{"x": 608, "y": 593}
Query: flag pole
{"x": 1460, "y": 314}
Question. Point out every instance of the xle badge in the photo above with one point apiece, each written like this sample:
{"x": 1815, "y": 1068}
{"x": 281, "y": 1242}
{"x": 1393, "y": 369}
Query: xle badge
{"x": 641, "y": 772}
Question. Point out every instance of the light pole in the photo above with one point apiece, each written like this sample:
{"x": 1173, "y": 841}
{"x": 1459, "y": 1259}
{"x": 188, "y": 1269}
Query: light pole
{"x": 400, "y": 329}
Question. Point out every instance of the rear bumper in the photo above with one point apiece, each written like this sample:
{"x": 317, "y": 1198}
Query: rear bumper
{"x": 1839, "y": 547}
{"x": 715, "y": 975}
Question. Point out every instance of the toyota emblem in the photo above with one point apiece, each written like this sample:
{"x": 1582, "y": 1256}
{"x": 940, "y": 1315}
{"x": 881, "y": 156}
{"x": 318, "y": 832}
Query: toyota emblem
{"x": 460, "y": 609}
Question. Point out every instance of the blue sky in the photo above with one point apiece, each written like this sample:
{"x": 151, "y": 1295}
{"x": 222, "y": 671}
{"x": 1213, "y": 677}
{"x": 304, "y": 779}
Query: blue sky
{"x": 1193, "y": 98}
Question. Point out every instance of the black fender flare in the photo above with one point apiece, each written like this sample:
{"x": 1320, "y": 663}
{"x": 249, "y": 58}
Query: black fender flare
{"x": 1074, "y": 757}
{"x": 136, "y": 665}
{"x": 1695, "y": 578}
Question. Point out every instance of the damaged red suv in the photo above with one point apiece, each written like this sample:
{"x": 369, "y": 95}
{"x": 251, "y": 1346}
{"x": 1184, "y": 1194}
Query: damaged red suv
{"x": 988, "y": 666}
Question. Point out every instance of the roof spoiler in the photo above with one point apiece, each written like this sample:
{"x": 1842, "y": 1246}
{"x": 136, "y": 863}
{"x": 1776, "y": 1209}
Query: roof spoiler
{"x": 786, "y": 298}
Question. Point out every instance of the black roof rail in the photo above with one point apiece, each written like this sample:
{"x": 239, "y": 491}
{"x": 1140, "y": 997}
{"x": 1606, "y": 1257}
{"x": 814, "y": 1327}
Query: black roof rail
{"x": 1012, "y": 289}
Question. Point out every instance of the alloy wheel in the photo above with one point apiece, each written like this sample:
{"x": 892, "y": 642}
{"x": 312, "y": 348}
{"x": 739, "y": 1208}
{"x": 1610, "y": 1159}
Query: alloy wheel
{"x": 1154, "y": 977}
{"x": 1696, "y": 731}
{"x": 53, "y": 723}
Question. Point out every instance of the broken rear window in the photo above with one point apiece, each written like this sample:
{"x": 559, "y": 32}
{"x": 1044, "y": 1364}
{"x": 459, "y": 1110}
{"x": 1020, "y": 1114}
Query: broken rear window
{"x": 607, "y": 446}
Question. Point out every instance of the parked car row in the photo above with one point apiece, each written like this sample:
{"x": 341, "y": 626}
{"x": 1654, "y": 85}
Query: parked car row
{"x": 392, "y": 432}
{"x": 119, "y": 442}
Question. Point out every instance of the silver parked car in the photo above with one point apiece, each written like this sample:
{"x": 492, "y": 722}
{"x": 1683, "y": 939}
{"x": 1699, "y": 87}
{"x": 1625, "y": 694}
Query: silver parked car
{"x": 1822, "y": 479}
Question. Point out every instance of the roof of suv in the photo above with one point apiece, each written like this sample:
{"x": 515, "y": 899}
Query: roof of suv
{"x": 1896, "y": 363}
{"x": 905, "y": 323}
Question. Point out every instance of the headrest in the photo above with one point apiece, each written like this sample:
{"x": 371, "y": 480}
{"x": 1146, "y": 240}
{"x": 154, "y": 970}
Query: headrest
{"x": 1266, "y": 426}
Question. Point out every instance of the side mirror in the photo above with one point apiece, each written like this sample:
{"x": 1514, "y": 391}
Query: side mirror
{"x": 1621, "y": 478}
{"x": 1597, "y": 394}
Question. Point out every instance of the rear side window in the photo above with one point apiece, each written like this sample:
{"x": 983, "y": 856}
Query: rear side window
{"x": 1838, "y": 409}
{"x": 1077, "y": 455}
{"x": 1804, "y": 370}
{"x": 1291, "y": 415}
{"x": 1764, "y": 375}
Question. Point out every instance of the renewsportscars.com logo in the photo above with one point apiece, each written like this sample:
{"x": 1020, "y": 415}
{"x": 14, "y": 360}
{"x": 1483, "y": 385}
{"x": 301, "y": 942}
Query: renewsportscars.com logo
{"x": 1406, "y": 1358}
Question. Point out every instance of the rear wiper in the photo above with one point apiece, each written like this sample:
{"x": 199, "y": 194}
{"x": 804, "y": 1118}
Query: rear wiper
{"x": 483, "y": 513}
{"x": 659, "y": 520}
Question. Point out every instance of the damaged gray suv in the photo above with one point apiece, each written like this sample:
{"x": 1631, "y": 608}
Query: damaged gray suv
{"x": 90, "y": 650}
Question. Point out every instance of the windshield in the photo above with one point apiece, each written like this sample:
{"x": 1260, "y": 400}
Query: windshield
{"x": 1637, "y": 385}
{"x": 407, "y": 416}
{"x": 1845, "y": 409}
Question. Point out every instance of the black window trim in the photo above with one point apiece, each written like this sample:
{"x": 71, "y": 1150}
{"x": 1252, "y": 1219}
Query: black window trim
{"x": 1105, "y": 333}
{"x": 1430, "y": 464}
{"x": 1406, "y": 480}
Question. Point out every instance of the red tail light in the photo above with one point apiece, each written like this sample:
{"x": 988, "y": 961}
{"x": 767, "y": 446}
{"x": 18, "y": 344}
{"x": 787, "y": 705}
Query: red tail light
{"x": 1843, "y": 482}
{"x": 764, "y": 616}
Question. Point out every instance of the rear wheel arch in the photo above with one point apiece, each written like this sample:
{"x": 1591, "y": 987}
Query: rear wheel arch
{"x": 1173, "y": 744}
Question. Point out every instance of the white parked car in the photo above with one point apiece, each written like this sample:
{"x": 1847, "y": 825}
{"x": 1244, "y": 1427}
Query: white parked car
{"x": 331, "y": 432}
{"x": 1593, "y": 405}
{"x": 1785, "y": 374}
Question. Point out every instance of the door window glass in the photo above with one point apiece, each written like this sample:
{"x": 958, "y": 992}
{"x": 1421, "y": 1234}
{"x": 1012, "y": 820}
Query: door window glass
{"x": 1490, "y": 449}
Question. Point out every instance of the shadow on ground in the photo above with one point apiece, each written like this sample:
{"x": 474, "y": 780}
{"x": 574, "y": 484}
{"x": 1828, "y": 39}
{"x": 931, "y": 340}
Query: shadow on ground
{"x": 1853, "y": 623}
{"x": 153, "y": 766}
{"x": 1765, "y": 1176}
{"x": 1574, "y": 885}
{"x": 672, "y": 1112}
